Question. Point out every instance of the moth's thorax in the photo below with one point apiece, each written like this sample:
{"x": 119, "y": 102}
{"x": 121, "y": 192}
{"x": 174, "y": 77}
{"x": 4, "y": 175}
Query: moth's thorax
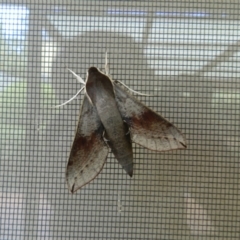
{"x": 98, "y": 86}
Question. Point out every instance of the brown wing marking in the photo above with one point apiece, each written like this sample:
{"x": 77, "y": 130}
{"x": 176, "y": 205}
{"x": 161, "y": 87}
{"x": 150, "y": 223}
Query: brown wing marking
{"x": 154, "y": 132}
{"x": 147, "y": 128}
{"x": 89, "y": 151}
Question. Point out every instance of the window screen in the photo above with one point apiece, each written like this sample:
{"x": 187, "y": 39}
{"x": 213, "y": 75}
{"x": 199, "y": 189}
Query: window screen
{"x": 184, "y": 55}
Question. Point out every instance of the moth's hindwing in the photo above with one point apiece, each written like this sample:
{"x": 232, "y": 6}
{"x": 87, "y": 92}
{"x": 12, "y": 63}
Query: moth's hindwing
{"x": 147, "y": 128}
{"x": 89, "y": 151}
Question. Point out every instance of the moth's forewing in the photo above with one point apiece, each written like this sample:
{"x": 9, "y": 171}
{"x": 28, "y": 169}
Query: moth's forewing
{"x": 147, "y": 128}
{"x": 89, "y": 151}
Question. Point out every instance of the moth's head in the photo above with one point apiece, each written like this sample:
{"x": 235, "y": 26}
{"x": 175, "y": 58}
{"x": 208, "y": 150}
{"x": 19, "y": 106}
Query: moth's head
{"x": 95, "y": 75}
{"x": 93, "y": 71}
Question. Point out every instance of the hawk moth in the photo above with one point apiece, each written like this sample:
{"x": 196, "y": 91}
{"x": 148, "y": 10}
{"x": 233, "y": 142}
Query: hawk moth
{"x": 112, "y": 117}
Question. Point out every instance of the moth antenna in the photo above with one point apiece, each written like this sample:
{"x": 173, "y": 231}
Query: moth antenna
{"x": 69, "y": 99}
{"x": 106, "y": 64}
{"x": 77, "y": 77}
{"x": 79, "y": 80}
{"x": 142, "y": 94}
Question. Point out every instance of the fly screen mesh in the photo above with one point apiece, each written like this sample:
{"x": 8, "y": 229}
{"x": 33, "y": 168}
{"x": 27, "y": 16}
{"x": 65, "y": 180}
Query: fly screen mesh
{"x": 184, "y": 55}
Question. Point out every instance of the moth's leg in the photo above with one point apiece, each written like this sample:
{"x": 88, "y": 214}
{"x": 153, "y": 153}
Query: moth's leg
{"x": 126, "y": 127}
{"x": 105, "y": 137}
{"x": 106, "y": 64}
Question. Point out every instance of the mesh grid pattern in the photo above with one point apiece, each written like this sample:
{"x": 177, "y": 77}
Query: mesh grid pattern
{"x": 186, "y": 54}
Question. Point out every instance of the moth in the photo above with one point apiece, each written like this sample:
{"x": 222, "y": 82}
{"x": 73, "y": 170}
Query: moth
{"x": 111, "y": 117}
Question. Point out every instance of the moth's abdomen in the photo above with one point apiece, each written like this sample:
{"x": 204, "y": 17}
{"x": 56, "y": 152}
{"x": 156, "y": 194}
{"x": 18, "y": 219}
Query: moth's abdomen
{"x": 116, "y": 132}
